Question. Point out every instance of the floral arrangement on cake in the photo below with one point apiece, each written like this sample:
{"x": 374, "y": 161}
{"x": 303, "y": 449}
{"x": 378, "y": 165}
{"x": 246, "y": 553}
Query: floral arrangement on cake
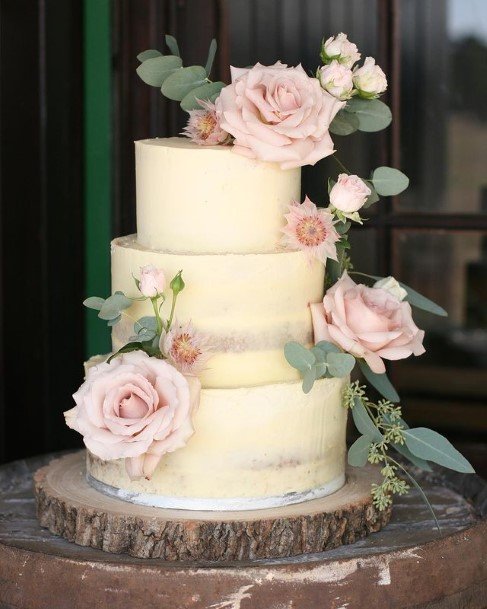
{"x": 283, "y": 115}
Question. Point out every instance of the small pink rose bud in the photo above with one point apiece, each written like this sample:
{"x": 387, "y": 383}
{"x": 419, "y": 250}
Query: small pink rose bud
{"x": 349, "y": 193}
{"x": 337, "y": 80}
{"x": 340, "y": 48}
{"x": 152, "y": 281}
{"x": 369, "y": 80}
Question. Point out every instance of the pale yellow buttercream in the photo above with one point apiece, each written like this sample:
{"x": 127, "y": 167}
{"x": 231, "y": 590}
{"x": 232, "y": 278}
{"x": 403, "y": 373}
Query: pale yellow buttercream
{"x": 205, "y": 199}
{"x": 250, "y": 442}
{"x": 249, "y": 305}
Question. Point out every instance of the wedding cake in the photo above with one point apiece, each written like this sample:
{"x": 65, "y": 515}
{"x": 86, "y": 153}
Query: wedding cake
{"x": 228, "y": 385}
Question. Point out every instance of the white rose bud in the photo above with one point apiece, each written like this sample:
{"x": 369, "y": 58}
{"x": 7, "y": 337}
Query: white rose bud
{"x": 391, "y": 285}
{"x": 152, "y": 281}
{"x": 337, "y": 79}
{"x": 349, "y": 193}
{"x": 340, "y": 48}
{"x": 369, "y": 80}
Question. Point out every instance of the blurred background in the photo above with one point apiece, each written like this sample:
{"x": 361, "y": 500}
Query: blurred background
{"x": 71, "y": 106}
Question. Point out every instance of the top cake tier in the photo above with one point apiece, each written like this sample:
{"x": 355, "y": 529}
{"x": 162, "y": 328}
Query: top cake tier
{"x": 209, "y": 199}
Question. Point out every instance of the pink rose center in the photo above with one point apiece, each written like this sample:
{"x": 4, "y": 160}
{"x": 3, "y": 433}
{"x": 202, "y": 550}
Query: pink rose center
{"x": 183, "y": 349}
{"x": 132, "y": 407}
{"x": 310, "y": 231}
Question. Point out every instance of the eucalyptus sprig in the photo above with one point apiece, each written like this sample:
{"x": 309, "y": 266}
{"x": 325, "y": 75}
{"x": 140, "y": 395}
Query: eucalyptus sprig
{"x": 188, "y": 85}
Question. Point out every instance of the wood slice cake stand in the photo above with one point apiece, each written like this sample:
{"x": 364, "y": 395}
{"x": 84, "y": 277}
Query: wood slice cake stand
{"x": 68, "y": 506}
{"x": 406, "y": 565}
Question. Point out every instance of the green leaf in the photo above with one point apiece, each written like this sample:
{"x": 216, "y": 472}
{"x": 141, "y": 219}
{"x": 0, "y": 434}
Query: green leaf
{"x": 373, "y": 197}
{"x": 149, "y": 54}
{"x": 298, "y": 356}
{"x": 172, "y": 45}
{"x": 363, "y": 422}
{"x": 134, "y": 346}
{"x": 94, "y": 302}
{"x": 403, "y": 450}
{"x": 182, "y": 81}
{"x": 342, "y": 227}
{"x": 331, "y": 183}
{"x": 421, "y": 492}
{"x": 113, "y": 305}
{"x": 388, "y": 181}
{"x": 308, "y": 379}
{"x": 421, "y": 302}
{"x": 327, "y": 347}
{"x": 380, "y": 381}
{"x": 204, "y": 92}
{"x": 211, "y": 57}
{"x": 432, "y": 446}
{"x": 359, "y": 451}
{"x": 319, "y": 354}
{"x": 114, "y": 322}
{"x": 146, "y": 328}
{"x": 340, "y": 364}
{"x": 344, "y": 123}
{"x": 156, "y": 70}
{"x": 372, "y": 114}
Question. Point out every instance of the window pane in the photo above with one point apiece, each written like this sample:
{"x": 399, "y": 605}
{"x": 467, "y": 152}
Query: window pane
{"x": 444, "y": 105}
{"x": 446, "y": 386}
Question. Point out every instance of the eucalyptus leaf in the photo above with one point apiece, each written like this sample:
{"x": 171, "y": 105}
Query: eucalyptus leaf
{"x": 149, "y": 54}
{"x": 331, "y": 183}
{"x": 129, "y": 347}
{"x": 319, "y": 354}
{"x": 298, "y": 356}
{"x": 363, "y": 422}
{"x": 121, "y": 300}
{"x": 344, "y": 123}
{"x": 156, "y": 70}
{"x": 178, "y": 84}
{"x": 373, "y": 197}
{"x": 203, "y": 93}
{"x": 327, "y": 347}
{"x": 172, "y": 45}
{"x": 211, "y": 57}
{"x": 403, "y": 450}
{"x": 380, "y": 381}
{"x": 372, "y": 114}
{"x": 94, "y": 302}
{"x": 421, "y": 302}
{"x": 114, "y": 322}
{"x": 432, "y": 446}
{"x": 340, "y": 364}
{"x": 147, "y": 322}
{"x": 359, "y": 451}
{"x": 388, "y": 181}
{"x": 342, "y": 227}
{"x": 308, "y": 379}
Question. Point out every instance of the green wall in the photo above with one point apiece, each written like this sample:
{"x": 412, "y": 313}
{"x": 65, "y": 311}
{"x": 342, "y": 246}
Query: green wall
{"x": 97, "y": 162}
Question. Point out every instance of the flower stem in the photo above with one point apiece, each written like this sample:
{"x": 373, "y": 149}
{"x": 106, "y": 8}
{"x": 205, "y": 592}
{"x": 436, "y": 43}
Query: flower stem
{"x": 156, "y": 313}
{"x": 340, "y": 164}
{"x": 173, "y": 307}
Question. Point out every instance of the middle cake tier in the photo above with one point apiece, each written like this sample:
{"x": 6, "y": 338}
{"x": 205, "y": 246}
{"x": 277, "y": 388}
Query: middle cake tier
{"x": 249, "y": 305}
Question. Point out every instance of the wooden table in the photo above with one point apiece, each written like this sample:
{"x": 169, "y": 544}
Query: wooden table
{"x": 407, "y": 565}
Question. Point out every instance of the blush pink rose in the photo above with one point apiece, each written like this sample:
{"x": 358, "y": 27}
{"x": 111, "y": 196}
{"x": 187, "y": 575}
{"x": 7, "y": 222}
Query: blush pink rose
{"x": 278, "y": 114}
{"x": 137, "y": 408}
{"x": 349, "y": 193}
{"x": 369, "y": 323}
{"x": 152, "y": 281}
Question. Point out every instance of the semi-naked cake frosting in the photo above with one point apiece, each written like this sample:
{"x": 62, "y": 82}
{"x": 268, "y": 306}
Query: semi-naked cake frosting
{"x": 259, "y": 441}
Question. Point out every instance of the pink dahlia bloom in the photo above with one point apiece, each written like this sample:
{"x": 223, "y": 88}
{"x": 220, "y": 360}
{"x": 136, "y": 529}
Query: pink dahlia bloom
{"x": 204, "y": 128}
{"x": 278, "y": 114}
{"x": 137, "y": 408}
{"x": 311, "y": 230}
{"x": 370, "y": 323}
{"x": 187, "y": 349}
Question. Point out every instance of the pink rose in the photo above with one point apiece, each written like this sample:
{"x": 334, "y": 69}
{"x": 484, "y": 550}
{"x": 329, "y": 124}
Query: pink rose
{"x": 349, "y": 193}
{"x": 337, "y": 80}
{"x": 370, "y": 80}
{"x": 369, "y": 323}
{"x": 340, "y": 48}
{"x": 278, "y": 114}
{"x": 136, "y": 407}
{"x": 152, "y": 281}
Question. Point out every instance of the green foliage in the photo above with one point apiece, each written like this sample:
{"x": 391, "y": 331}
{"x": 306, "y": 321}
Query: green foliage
{"x": 155, "y": 70}
{"x": 381, "y": 382}
{"x": 344, "y": 123}
{"x": 211, "y": 57}
{"x": 432, "y": 446}
{"x": 373, "y": 197}
{"x": 363, "y": 422}
{"x": 358, "y": 453}
{"x": 206, "y": 91}
{"x": 371, "y": 114}
{"x": 178, "y": 84}
{"x": 388, "y": 181}
{"x": 172, "y": 45}
{"x": 113, "y": 305}
{"x": 149, "y": 54}
{"x": 146, "y": 328}
{"x": 340, "y": 364}
{"x": 94, "y": 302}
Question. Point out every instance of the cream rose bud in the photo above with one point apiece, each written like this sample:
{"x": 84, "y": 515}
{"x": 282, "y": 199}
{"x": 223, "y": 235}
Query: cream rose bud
{"x": 392, "y": 286}
{"x": 349, "y": 193}
{"x": 340, "y": 48}
{"x": 369, "y": 80}
{"x": 337, "y": 79}
{"x": 152, "y": 281}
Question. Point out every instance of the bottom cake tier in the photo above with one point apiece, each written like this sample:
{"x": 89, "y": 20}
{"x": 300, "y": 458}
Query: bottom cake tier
{"x": 253, "y": 448}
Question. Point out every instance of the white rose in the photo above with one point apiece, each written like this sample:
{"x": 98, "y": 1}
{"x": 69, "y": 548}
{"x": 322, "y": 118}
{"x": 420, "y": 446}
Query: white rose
{"x": 369, "y": 80}
{"x": 340, "y": 48}
{"x": 349, "y": 193}
{"x": 391, "y": 285}
{"x": 337, "y": 79}
{"x": 152, "y": 281}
